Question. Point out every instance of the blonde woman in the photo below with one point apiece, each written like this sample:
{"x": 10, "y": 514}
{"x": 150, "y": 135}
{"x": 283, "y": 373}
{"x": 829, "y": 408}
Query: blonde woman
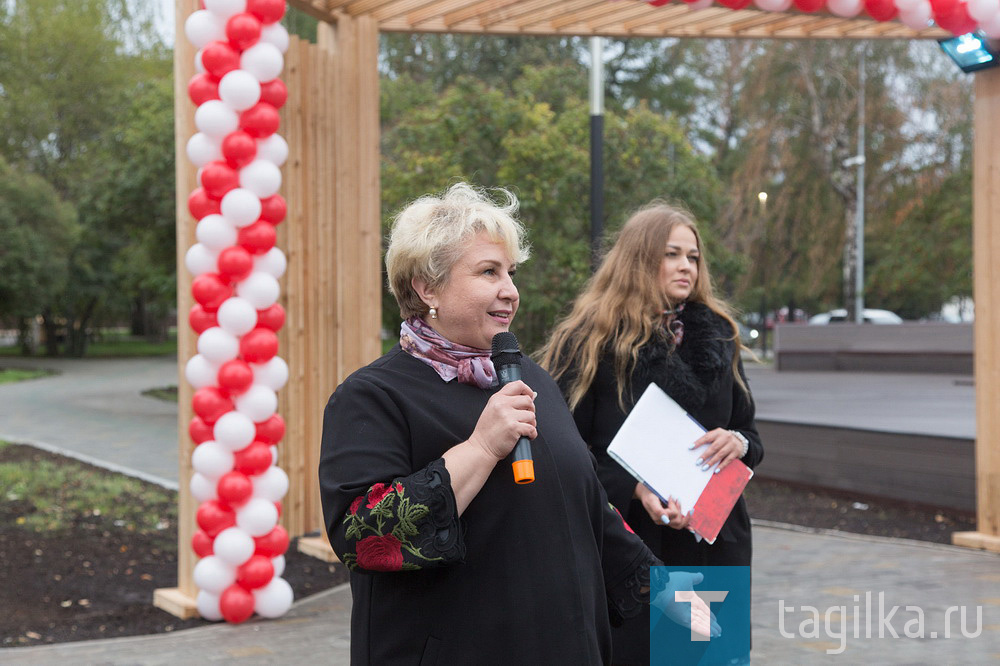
{"x": 648, "y": 315}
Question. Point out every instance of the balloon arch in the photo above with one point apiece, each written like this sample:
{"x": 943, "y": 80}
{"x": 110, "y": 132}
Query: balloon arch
{"x": 229, "y": 109}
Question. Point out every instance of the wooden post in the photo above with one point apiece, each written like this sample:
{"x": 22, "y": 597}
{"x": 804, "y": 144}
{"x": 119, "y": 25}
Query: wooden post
{"x": 986, "y": 287}
{"x": 180, "y": 601}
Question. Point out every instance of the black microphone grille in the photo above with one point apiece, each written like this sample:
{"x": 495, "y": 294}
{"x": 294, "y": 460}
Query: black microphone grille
{"x": 505, "y": 342}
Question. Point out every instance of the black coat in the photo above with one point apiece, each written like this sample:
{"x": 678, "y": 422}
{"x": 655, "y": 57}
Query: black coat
{"x": 527, "y": 574}
{"x": 698, "y": 376}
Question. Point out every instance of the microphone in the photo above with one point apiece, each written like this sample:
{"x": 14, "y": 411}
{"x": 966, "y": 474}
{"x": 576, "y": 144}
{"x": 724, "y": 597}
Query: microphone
{"x": 506, "y": 357}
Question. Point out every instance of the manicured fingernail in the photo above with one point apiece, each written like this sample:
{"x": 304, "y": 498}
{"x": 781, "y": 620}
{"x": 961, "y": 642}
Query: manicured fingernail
{"x": 691, "y": 448}
{"x": 705, "y": 467}
{"x": 699, "y": 461}
{"x": 534, "y": 394}
{"x": 717, "y": 470}
{"x": 665, "y": 519}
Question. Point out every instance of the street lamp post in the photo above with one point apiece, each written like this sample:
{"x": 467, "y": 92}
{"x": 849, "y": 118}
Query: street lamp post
{"x": 762, "y": 198}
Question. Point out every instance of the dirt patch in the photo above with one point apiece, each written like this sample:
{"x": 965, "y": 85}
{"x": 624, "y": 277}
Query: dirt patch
{"x": 92, "y": 578}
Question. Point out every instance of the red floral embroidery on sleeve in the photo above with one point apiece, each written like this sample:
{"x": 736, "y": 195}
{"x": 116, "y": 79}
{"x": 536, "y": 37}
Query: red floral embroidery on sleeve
{"x": 356, "y": 504}
{"x": 627, "y": 526}
{"x": 380, "y": 553}
{"x": 377, "y": 493}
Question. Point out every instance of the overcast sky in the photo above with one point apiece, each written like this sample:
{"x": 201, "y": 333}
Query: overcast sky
{"x": 166, "y": 20}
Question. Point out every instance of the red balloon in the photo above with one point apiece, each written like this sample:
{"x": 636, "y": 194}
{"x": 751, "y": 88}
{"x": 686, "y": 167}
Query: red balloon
{"x": 210, "y": 403}
{"x": 273, "y": 543}
{"x": 274, "y": 92}
{"x": 258, "y": 237}
{"x": 953, "y": 17}
{"x": 272, "y": 318}
{"x": 218, "y": 178}
{"x": 277, "y": 505}
{"x": 199, "y": 430}
{"x": 881, "y": 10}
{"x": 200, "y": 204}
{"x": 261, "y": 120}
{"x": 234, "y": 488}
{"x": 239, "y": 149}
{"x": 202, "y": 88}
{"x": 809, "y": 5}
{"x": 273, "y": 209}
{"x": 268, "y": 11}
{"x": 253, "y": 459}
{"x": 213, "y": 516}
{"x": 236, "y": 604}
{"x": 255, "y": 572}
{"x": 235, "y": 263}
{"x": 201, "y": 319}
{"x": 201, "y": 544}
{"x": 211, "y": 290}
{"x": 243, "y": 30}
{"x": 219, "y": 58}
{"x": 259, "y": 345}
{"x": 235, "y": 376}
{"x": 734, "y": 4}
{"x": 272, "y": 430}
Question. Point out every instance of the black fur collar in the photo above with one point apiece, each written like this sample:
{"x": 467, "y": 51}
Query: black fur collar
{"x": 693, "y": 371}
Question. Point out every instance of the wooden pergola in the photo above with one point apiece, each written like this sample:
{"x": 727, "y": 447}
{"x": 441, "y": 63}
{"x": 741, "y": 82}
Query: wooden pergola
{"x": 332, "y": 235}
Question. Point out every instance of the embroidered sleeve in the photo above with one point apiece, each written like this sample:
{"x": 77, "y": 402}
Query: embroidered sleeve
{"x": 630, "y": 592}
{"x": 408, "y": 524}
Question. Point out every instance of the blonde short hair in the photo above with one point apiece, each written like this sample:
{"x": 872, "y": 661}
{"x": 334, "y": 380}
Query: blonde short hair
{"x": 430, "y": 235}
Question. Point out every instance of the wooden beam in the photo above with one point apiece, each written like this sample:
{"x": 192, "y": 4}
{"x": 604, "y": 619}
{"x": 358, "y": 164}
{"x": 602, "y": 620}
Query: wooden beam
{"x": 986, "y": 290}
{"x": 180, "y": 601}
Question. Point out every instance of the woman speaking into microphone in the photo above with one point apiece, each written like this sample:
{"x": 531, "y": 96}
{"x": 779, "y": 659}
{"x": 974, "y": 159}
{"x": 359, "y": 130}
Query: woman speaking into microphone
{"x": 452, "y": 561}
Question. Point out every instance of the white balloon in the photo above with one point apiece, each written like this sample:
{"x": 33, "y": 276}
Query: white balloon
{"x": 263, "y": 60}
{"x": 202, "y": 149}
{"x": 215, "y": 232}
{"x": 201, "y": 372}
{"x": 257, "y": 517}
{"x": 274, "y": 599}
{"x": 274, "y": 454}
{"x": 262, "y": 177}
{"x": 234, "y": 431}
{"x": 275, "y": 34}
{"x": 233, "y": 546}
{"x": 273, "y": 262}
{"x": 273, "y": 374}
{"x": 260, "y": 289}
{"x": 202, "y": 487}
{"x": 226, "y": 8}
{"x": 844, "y": 8}
{"x": 216, "y": 119}
{"x": 271, "y": 485}
{"x": 984, "y": 11}
{"x": 202, "y": 27}
{"x": 213, "y": 574}
{"x": 199, "y": 259}
{"x": 917, "y": 17}
{"x": 259, "y": 403}
{"x": 273, "y": 149}
{"x": 773, "y": 5}
{"x": 199, "y": 66}
{"x": 237, "y": 316}
{"x": 212, "y": 460}
{"x": 905, "y": 5}
{"x": 217, "y": 345}
{"x": 239, "y": 89}
{"x": 208, "y": 606}
{"x": 700, "y": 4}
{"x": 241, "y": 207}
{"x": 279, "y": 565}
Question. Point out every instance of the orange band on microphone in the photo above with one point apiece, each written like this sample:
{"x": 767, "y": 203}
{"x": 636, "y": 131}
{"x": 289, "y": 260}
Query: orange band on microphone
{"x": 524, "y": 471}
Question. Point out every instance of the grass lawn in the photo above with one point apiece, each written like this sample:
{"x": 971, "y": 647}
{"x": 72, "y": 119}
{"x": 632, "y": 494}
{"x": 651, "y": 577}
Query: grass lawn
{"x": 123, "y": 347}
{"x": 11, "y": 375}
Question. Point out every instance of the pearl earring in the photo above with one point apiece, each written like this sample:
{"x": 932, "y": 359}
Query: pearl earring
{"x": 434, "y": 313}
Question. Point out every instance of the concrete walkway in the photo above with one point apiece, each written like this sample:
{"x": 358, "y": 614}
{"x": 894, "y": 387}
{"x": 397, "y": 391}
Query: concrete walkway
{"x": 94, "y": 410}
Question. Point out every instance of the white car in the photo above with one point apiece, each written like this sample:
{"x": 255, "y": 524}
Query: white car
{"x": 871, "y": 316}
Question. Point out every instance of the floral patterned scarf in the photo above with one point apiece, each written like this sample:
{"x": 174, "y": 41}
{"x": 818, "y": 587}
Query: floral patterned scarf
{"x": 449, "y": 360}
{"x": 674, "y": 326}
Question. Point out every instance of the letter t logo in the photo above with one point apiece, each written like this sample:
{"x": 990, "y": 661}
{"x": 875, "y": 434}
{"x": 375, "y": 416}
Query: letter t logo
{"x": 687, "y": 596}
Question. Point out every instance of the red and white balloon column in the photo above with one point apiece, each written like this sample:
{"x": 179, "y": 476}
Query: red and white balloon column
{"x": 955, "y": 16}
{"x": 237, "y": 372}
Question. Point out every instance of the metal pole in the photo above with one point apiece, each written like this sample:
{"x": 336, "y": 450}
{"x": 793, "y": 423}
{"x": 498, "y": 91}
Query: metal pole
{"x": 596, "y": 147}
{"x": 859, "y": 216}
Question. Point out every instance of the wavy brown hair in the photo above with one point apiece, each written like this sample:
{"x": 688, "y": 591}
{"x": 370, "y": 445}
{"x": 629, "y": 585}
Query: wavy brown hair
{"x": 621, "y": 305}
